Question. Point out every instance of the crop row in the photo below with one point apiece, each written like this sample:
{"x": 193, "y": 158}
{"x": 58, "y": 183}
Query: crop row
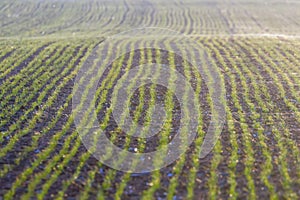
{"x": 76, "y": 18}
{"x": 256, "y": 152}
{"x": 47, "y": 104}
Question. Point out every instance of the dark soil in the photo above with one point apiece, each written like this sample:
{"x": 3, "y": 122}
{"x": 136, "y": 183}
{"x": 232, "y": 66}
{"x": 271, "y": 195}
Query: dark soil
{"x": 138, "y": 183}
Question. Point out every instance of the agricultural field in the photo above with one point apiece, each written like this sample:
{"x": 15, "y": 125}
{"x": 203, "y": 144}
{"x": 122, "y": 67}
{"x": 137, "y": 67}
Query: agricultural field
{"x": 253, "y": 46}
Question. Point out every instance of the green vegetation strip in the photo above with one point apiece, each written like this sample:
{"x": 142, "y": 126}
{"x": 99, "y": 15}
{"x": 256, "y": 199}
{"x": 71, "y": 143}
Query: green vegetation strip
{"x": 38, "y": 80}
{"x": 49, "y": 71}
{"x": 245, "y": 134}
{"x": 35, "y": 119}
{"x": 84, "y": 156}
{"x": 52, "y": 145}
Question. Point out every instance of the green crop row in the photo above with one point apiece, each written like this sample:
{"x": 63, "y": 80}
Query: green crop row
{"x": 46, "y": 152}
{"x": 261, "y": 81}
{"x": 256, "y": 126}
{"x": 42, "y": 95}
{"x": 244, "y": 128}
{"x": 17, "y": 59}
{"x": 20, "y": 94}
{"x": 283, "y": 162}
{"x": 14, "y": 84}
{"x": 192, "y": 173}
{"x": 87, "y": 155}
